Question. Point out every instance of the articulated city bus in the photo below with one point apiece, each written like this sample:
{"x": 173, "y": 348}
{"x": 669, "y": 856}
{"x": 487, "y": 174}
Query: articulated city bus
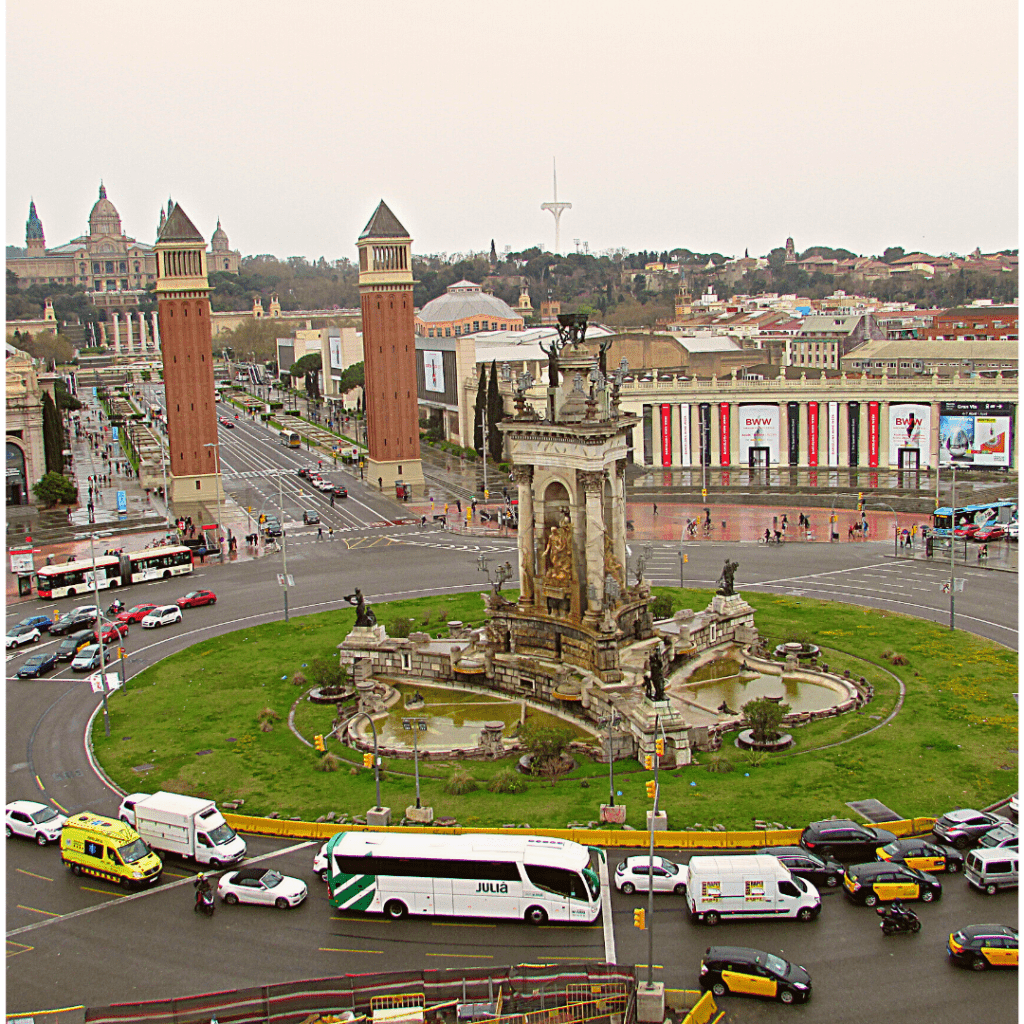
{"x": 534, "y": 878}
{"x": 69, "y": 579}
{"x": 290, "y": 438}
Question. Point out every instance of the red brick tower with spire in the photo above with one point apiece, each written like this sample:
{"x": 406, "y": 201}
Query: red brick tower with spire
{"x": 389, "y": 351}
{"x": 183, "y": 306}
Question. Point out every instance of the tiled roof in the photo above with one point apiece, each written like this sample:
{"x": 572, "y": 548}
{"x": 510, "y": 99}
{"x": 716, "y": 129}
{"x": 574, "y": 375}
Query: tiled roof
{"x": 383, "y": 224}
{"x": 178, "y": 228}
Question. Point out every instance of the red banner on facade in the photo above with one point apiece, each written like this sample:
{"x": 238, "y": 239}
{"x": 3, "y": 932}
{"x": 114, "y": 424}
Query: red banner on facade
{"x": 812, "y": 433}
{"x": 872, "y": 433}
{"x": 723, "y": 420}
{"x": 666, "y": 435}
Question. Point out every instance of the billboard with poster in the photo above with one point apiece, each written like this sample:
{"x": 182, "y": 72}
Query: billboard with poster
{"x": 433, "y": 372}
{"x": 910, "y": 427}
{"x": 334, "y": 344}
{"x": 759, "y": 428}
{"x": 976, "y": 434}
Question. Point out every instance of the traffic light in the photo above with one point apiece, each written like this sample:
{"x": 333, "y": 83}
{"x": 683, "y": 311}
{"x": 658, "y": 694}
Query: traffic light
{"x": 120, "y": 652}
{"x": 263, "y": 519}
{"x": 652, "y": 788}
{"x": 367, "y": 760}
{"x": 318, "y": 742}
{"x": 649, "y": 762}
{"x": 640, "y": 918}
{"x": 659, "y": 747}
{"x": 860, "y": 501}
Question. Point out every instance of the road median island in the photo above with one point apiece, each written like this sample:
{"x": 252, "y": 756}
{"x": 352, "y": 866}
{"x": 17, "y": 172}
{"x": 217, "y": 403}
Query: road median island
{"x": 194, "y": 723}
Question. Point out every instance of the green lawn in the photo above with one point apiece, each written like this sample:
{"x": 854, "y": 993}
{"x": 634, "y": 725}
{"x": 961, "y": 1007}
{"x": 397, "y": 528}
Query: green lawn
{"x": 194, "y": 715}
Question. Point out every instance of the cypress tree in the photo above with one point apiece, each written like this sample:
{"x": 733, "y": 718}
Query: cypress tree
{"x": 478, "y": 413}
{"x": 53, "y": 436}
{"x": 495, "y": 414}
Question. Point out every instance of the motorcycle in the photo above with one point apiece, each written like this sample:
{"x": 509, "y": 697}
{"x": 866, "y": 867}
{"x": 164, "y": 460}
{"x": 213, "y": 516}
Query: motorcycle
{"x": 204, "y": 902}
{"x": 116, "y": 606}
{"x": 897, "y": 920}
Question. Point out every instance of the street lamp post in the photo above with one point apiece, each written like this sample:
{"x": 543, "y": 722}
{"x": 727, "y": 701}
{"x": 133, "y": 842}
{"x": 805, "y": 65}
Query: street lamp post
{"x": 99, "y": 633}
{"x": 220, "y": 544}
{"x": 415, "y": 725}
{"x": 952, "y": 553}
{"x": 896, "y": 526}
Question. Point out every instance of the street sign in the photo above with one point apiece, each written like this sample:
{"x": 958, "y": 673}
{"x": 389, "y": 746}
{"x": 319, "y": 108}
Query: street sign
{"x": 704, "y": 493}
{"x": 286, "y": 581}
{"x": 958, "y": 586}
{"x": 96, "y": 682}
{"x": 122, "y": 501}
{"x": 113, "y": 431}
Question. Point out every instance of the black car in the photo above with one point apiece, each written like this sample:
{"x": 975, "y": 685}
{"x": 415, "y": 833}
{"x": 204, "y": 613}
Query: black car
{"x": 341, "y": 492}
{"x": 737, "y": 970}
{"x": 304, "y": 472}
{"x": 819, "y": 871}
{"x": 37, "y": 665}
{"x": 70, "y": 646}
{"x": 272, "y": 528}
{"x": 71, "y": 622}
{"x": 310, "y": 517}
{"x": 964, "y": 827}
{"x": 981, "y": 946}
{"x": 882, "y": 882}
{"x": 844, "y": 840}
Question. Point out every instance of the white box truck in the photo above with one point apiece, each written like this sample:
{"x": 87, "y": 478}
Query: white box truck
{"x": 186, "y": 825}
{"x": 747, "y": 886}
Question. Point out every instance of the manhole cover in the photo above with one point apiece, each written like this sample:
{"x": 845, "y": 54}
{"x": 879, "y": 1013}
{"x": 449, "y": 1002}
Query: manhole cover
{"x": 874, "y": 810}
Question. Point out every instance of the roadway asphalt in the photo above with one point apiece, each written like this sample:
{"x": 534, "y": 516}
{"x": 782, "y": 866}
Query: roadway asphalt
{"x": 106, "y": 955}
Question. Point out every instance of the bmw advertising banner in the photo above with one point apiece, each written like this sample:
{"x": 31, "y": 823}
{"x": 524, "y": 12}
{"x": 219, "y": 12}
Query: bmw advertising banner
{"x": 910, "y": 427}
{"x": 759, "y": 428}
{"x": 976, "y": 434}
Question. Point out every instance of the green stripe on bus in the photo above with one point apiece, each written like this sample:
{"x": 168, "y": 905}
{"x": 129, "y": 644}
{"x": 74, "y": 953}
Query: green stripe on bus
{"x": 354, "y": 891}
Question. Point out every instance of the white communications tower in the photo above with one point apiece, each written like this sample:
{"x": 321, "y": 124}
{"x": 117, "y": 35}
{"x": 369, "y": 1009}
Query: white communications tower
{"x": 556, "y": 207}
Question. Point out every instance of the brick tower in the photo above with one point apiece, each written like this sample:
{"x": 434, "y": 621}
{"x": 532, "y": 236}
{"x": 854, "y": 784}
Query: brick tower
{"x": 389, "y": 351}
{"x": 184, "y": 311}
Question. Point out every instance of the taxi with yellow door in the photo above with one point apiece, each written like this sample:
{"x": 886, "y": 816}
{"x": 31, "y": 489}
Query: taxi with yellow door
{"x": 881, "y": 882}
{"x": 737, "y": 970}
{"x": 925, "y": 856}
{"x": 981, "y": 946}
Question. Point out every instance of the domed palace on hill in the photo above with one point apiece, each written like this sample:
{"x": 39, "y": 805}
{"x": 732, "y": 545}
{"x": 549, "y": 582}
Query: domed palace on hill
{"x": 110, "y": 265}
{"x": 465, "y": 309}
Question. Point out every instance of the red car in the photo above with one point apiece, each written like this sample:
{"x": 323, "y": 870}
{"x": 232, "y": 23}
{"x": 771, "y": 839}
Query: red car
{"x": 968, "y": 530}
{"x": 137, "y": 613}
{"x": 987, "y": 533}
{"x": 196, "y": 598}
{"x": 112, "y": 633}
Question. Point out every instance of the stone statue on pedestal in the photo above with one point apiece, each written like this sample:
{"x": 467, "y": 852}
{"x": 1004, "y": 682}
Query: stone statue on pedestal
{"x": 365, "y": 617}
{"x": 725, "y": 581}
{"x": 558, "y": 553}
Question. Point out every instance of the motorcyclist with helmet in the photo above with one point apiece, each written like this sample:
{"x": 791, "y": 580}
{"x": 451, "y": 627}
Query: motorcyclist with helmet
{"x": 204, "y": 893}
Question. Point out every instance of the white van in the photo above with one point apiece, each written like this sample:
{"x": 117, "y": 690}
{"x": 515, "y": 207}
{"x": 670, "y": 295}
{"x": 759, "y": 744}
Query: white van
{"x": 992, "y": 870}
{"x": 186, "y": 825}
{"x": 747, "y": 886}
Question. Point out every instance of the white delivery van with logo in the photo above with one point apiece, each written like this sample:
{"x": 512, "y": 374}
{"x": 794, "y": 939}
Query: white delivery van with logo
{"x": 186, "y": 825}
{"x": 747, "y": 886}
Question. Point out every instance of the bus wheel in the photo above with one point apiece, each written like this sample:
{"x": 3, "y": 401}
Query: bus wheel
{"x": 395, "y": 909}
{"x": 536, "y": 915}
{"x": 71, "y": 591}
{"x": 167, "y": 574}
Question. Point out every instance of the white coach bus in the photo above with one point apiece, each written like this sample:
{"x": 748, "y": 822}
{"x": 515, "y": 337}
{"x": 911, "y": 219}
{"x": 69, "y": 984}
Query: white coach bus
{"x": 529, "y": 877}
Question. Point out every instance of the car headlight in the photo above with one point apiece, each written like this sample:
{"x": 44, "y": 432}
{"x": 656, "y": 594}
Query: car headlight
{"x": 800, "y": 986}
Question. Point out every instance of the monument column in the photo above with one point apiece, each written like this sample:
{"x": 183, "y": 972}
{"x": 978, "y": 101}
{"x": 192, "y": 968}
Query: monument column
{"x": 843, "y": 426}
{"x": 523, "y": 476}
{"x": 593, "y": 485}
{"x": 142, "y": 332}
{"x": 154, "y": 321}
{"x": 117, "y": 335}
{"x": 618, "y": 510}
{"x": 538, "y": 549}
{"x": 783, "y": 433}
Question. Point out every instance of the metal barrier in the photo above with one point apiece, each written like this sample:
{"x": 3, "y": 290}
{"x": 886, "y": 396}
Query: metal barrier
{"x": 586, "y": 837}
{"x": 703, "y": 1011}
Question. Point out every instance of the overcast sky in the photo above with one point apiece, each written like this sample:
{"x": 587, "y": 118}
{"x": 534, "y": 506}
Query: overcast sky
{"x": 714, "y": 126}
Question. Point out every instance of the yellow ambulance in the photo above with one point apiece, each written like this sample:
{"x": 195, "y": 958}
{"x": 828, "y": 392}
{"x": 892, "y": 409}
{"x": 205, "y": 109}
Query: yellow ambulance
{"x": 107, "y": 848}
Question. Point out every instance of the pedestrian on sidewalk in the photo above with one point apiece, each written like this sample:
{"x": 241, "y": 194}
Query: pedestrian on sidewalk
{"x": 330, "y": 533}
{"x": 655, "y": 508}
{"x": 849, "y": 532}
{"x": 319, "y": 533}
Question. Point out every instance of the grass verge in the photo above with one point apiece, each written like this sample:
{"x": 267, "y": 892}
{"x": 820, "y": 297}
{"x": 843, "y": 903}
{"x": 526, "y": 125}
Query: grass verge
{"x": 194, "y": 718}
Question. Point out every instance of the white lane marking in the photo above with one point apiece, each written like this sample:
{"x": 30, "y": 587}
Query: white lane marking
{"x": 606, "y": 912}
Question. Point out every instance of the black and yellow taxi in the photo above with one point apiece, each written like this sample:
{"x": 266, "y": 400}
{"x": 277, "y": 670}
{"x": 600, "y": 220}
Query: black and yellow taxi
{"x": 884, "y": 881}
{"x": 980, "y": 946}
{"x": 737, "y": 970}
{"x": 923, "y": 855}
